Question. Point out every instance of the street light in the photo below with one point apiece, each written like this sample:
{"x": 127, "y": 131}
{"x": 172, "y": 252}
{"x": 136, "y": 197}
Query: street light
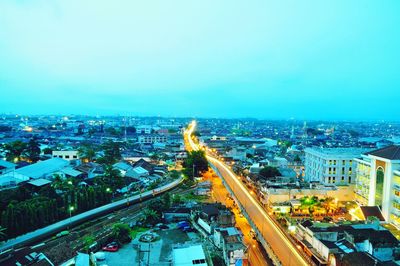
{"x": 71, "y": 209}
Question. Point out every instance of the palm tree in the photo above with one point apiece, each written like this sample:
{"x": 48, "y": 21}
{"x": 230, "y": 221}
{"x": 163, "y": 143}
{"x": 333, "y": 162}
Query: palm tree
{"x": 2, "y": 233}
{"x": 86, "y": 153}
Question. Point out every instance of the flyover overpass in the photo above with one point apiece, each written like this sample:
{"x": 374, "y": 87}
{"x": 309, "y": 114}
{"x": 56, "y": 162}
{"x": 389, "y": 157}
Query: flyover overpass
{"x": 270, "y": 234}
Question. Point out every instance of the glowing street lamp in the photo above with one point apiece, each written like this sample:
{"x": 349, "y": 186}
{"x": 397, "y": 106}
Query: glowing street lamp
{"x": 71, "y": 209}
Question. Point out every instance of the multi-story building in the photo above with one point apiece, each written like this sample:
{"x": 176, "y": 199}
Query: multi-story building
{"x": 331, "y": 165}
{"x": 378, "y": 181}
{"x": 152, "y": 138}
{"x": 66, "y": 155}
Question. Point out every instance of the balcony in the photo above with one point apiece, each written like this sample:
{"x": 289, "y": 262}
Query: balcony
{"x": 395, "y": 211}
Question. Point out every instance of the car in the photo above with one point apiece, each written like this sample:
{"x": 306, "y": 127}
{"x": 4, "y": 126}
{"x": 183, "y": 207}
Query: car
{"x": 163, "y": 226}
{"x": 112, "y": 247}
{"x": 187, "y": 229}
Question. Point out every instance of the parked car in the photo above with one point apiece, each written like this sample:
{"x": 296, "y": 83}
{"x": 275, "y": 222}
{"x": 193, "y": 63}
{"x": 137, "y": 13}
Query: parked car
{"x": 111, "y": 247}
{"x": 187, "y": 229}
{"x": 182, "y": 224}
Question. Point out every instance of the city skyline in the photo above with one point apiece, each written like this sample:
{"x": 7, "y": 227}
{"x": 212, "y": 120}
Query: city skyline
{"x": 330, "y": 61}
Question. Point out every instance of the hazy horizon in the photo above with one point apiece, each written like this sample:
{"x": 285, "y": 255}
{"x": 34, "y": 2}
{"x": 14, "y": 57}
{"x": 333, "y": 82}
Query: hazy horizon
{"x": 310, "y": 60}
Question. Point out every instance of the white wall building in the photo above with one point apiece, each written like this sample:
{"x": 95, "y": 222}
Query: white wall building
{"x": 150, "y": 139}
{"x": 66, "y": 155}
{"x": 331, "y": 165}
{"x": 187, "y": 256}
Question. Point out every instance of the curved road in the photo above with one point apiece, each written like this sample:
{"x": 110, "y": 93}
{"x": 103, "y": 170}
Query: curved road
{"x": 283, "y": 248}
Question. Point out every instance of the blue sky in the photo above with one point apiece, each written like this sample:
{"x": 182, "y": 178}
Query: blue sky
{"x": 264, "y": 59}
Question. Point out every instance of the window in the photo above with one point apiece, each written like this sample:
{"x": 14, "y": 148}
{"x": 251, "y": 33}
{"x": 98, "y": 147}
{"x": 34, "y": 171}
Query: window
{"x": 66, "y": 156}
{"x": 342, "y": 178}
{"x": 200, "y": 261}
{"x": 349, "y": 179}
{"x": 75, "y": 156}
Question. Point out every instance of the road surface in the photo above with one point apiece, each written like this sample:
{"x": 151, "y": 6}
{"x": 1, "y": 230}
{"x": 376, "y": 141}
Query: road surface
{"x": 283, "y": 248}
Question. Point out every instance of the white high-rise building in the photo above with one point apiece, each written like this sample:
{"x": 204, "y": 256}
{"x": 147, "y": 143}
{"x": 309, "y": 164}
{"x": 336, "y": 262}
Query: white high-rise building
{"x": 331, "y": 165}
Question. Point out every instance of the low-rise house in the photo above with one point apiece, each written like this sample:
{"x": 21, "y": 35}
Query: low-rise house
{"x": 324, "y": 241}
{"x": 90, "y": 170}
{"x": 176, "y": 214}
{"x": 137, "y": 173}
{"x": 123, "y": 167}
{"x": 42, "y": 169}
{"x": 210, "y": 216}
{"x": 6, "y": 167}
{"x": 188, "y": 256}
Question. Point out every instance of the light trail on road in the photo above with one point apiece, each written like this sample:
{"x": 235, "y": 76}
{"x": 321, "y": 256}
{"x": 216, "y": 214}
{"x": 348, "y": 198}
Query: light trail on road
{"x": 283, "y": 248}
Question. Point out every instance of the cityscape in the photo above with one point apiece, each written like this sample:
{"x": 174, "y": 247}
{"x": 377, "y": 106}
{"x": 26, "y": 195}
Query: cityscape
{"x": 199, "y": 133}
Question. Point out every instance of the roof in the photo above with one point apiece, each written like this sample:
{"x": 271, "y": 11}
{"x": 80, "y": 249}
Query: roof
{"x": 187, "y": 256}
{"x": 122, "y": 166}
{"x": 71, "y": 171}
{"x": 6, "y": 164}
{"x": 390, "y": 152}
{"x": 381, "y": 237}
{"x": 140, "y": 170}
{"x": 210, "y": 210}
{"x": 144, "y": 164}
{"x": 344, "y": 153}
{"x": 43, "y": 168}
{"x": 39, "y": 182}
{"x": 369, "y": 211}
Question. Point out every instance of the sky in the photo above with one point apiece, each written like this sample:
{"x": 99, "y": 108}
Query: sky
{"x": 263, "y": 59}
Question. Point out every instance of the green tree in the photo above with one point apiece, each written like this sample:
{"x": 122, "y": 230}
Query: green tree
{"x": 269, "y": 172}
{"x": 47, "y": 151}
{"x": 195, "y": 164}
{"x": 112, "y": 178}
{"x": 32, "y": 150}
{"x": 14, "y": 150}
{"x": 166, "y": 199}
{"x": 151, "y": 216}
{"x": 112, "y": 152}
{"x": 121, "y": 232}
{"x": 87, "y": 153}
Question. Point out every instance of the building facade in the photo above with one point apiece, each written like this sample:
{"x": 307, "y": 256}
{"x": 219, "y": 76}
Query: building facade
{"x": 66, "y": 155}
{"x": 378, "y": 181}
{"x": 150, "y": 139}
{"x": 331, "y": 165}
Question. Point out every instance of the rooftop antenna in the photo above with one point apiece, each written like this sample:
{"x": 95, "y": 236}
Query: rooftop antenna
{"x": 125, "y": 128}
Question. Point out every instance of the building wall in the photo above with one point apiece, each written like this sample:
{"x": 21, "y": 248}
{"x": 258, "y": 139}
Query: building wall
{"x": 338, "y": 169}
{"x": 66, "y": 155}
{"x": 365, "y": 189}
{"x": 150, "y": 139}
{"x": 362, "y": 186}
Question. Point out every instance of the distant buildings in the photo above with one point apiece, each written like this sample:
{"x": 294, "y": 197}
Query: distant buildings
{"x": 378, "y": 181}
{"x": 152, "y": 138}
{"x": 331, "y": 165}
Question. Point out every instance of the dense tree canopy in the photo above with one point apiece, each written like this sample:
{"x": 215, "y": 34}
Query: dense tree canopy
{"x": 195, "y": 164}
{"x": 269, "y": 172}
